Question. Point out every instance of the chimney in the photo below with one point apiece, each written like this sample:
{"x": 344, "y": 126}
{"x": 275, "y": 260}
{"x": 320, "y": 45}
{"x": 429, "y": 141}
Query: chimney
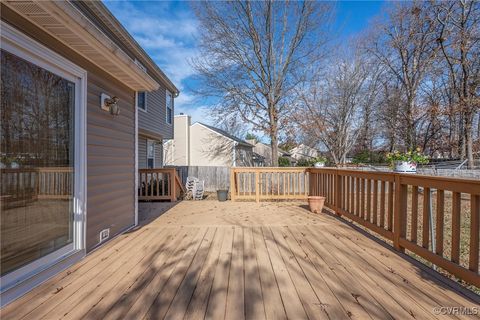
{"x": 181, "y": 135}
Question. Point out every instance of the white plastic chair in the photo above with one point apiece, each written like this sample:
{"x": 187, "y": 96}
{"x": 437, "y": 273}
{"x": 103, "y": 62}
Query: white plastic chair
{"x": 190, "y": 185}
{"x": 198, "y": 190}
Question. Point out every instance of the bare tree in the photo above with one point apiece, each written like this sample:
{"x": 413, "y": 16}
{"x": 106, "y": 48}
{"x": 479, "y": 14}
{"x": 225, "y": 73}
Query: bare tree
{"x": 370, "y": 112}
{"x": 253, "y": 55}
{"x": 459, "y": 40}
{"x": 330, "y": 108}
{"x": 405, "y": 44}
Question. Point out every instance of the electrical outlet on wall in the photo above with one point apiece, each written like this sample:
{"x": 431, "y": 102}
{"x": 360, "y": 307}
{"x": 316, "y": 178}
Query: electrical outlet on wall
{"x": 104, "y": 234}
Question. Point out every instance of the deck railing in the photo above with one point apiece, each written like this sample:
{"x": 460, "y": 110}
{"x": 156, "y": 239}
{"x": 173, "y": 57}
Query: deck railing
{"x": 261, "y": 183}
{"x": 436, "y": 218}
{"x": 159, "y": 184}
{"x": 29, "y": 184}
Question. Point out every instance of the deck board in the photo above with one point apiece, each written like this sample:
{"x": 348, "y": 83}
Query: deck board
{"x": 217, "y": 299}
{"x": 242, "y": 260}
{"x": 409, "y": 298}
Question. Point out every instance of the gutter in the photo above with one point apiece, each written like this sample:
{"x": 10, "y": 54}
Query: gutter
{"x": 129, "y": 43}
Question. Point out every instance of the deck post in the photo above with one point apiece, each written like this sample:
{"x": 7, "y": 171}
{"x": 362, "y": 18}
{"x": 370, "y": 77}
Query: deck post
{"x": 257, "y": 186}
{"x": 400, "y": 213}
{"x": 173, "y": 185}
{"x": 338, "y": 192}
{"x": 232, "y": 184}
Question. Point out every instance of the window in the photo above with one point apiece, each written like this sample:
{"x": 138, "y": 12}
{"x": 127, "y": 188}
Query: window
{"x": 43, "y": 103}
{"x": 169, "y": 104}
{"x": 37, "y": 143}
{"x": 141, "y": 99}
{"x": 150, "y": 154}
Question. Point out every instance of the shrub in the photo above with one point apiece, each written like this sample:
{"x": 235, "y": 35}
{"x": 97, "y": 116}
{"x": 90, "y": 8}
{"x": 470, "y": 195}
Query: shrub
{"x": 309, "y": 163}
{"x": 284, "y": 162}
{"x": 410, "y": 156}
{"x": 367, "y": 156}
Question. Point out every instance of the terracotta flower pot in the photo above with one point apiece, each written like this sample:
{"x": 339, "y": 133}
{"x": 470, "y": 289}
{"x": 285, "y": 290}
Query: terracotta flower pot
{"x": 316, "y": 203}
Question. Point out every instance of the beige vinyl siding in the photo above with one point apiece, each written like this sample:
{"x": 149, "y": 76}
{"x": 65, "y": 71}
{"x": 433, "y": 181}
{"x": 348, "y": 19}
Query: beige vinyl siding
{"x": 110, "y": 142}
{"x": 179, "y": 148}
{"x": 208, "y": 148}
{"x": 154, "y": 119}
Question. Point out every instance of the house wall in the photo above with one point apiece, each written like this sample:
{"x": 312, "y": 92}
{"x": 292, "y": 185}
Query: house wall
{"x": 110, "y": 142}
{"x": 155, "y": 118}
{"x": 209, "y": 148}
{"x": 181, "y": 145}
{"x": 247, "y": 159}
{"x": 159, "y": 155}
{"x": 142, "y": 152}
{"x": 263, "y": 150}
{"x": 303, "y": 152}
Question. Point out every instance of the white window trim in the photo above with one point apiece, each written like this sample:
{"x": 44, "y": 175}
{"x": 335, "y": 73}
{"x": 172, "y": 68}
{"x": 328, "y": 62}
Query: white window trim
{"x": 153, "y": 143}
{"x": 136, "y": 101}
{"x": 25, "y": 278}
{"x": 169, "y": 99}
{"x": 135, "y": 190}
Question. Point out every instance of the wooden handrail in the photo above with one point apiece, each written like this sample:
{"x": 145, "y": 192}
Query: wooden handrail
{"x": 389, "y": 204}
{"x": 266, "y": 183}
{"x": 159, "y": 184}
{"x": 37, "y": 183}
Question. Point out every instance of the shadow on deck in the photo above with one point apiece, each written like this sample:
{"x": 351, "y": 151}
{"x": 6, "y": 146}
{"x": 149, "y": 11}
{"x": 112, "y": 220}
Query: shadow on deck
{"x": 224, "y": 260}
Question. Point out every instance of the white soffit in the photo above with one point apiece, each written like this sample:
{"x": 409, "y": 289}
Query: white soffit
{"x": 67, "y": 24}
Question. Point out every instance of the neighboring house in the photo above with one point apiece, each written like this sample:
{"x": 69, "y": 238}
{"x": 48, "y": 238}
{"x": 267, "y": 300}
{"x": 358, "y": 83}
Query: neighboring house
{"x": 258, "y": 160}
{"x": 199, "y": 144}
{"x": 304, "y": 152}
{"x": 264, "y": 151}
{"x": 72, "y": 153}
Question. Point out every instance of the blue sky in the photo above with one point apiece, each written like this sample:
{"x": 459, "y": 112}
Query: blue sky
{"x": 167, "y": 30}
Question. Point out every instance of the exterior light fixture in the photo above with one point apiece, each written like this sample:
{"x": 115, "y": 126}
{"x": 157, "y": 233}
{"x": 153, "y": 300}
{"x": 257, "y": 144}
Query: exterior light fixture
{"x": 109, "y": 104}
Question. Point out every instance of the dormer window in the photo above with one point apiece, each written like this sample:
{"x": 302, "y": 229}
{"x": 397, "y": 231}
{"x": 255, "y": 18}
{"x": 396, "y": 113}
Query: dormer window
{"x": 141, "y": 100}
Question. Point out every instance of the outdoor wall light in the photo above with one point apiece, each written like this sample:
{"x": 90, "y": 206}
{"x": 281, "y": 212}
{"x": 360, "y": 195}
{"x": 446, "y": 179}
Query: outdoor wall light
{"x": 109, "y": 104}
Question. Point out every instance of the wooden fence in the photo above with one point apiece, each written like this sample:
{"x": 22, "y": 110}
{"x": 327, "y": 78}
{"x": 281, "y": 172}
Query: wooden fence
{"x": 159, "y": 184}
{"x": 215, "y": 178}
{"x": 29, "y": 184}
{"x": 437, "y": 218}
{"x": 261, "y": 183}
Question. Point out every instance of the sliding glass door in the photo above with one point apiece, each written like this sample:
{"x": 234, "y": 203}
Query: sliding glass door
{"x": 37, "y": 165}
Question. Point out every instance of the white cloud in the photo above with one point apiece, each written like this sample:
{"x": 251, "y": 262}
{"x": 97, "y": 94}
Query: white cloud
{"x": 168, "y": 35}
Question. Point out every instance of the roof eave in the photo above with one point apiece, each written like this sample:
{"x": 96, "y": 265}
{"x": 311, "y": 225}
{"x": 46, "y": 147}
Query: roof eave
{"x": 150, "y": 64}
{"x": 67, "y": 24}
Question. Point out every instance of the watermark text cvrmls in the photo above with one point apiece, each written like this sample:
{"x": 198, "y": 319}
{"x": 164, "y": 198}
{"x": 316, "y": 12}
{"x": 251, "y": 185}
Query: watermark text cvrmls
{"x": 457, "y": 311}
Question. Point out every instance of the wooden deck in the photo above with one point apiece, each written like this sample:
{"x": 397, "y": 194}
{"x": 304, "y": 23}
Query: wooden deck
{"x": 243, "y": 260}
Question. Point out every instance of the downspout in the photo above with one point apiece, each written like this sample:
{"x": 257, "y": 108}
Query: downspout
{"x": 136, "y": 166}
{"x": 235, "y": 144}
